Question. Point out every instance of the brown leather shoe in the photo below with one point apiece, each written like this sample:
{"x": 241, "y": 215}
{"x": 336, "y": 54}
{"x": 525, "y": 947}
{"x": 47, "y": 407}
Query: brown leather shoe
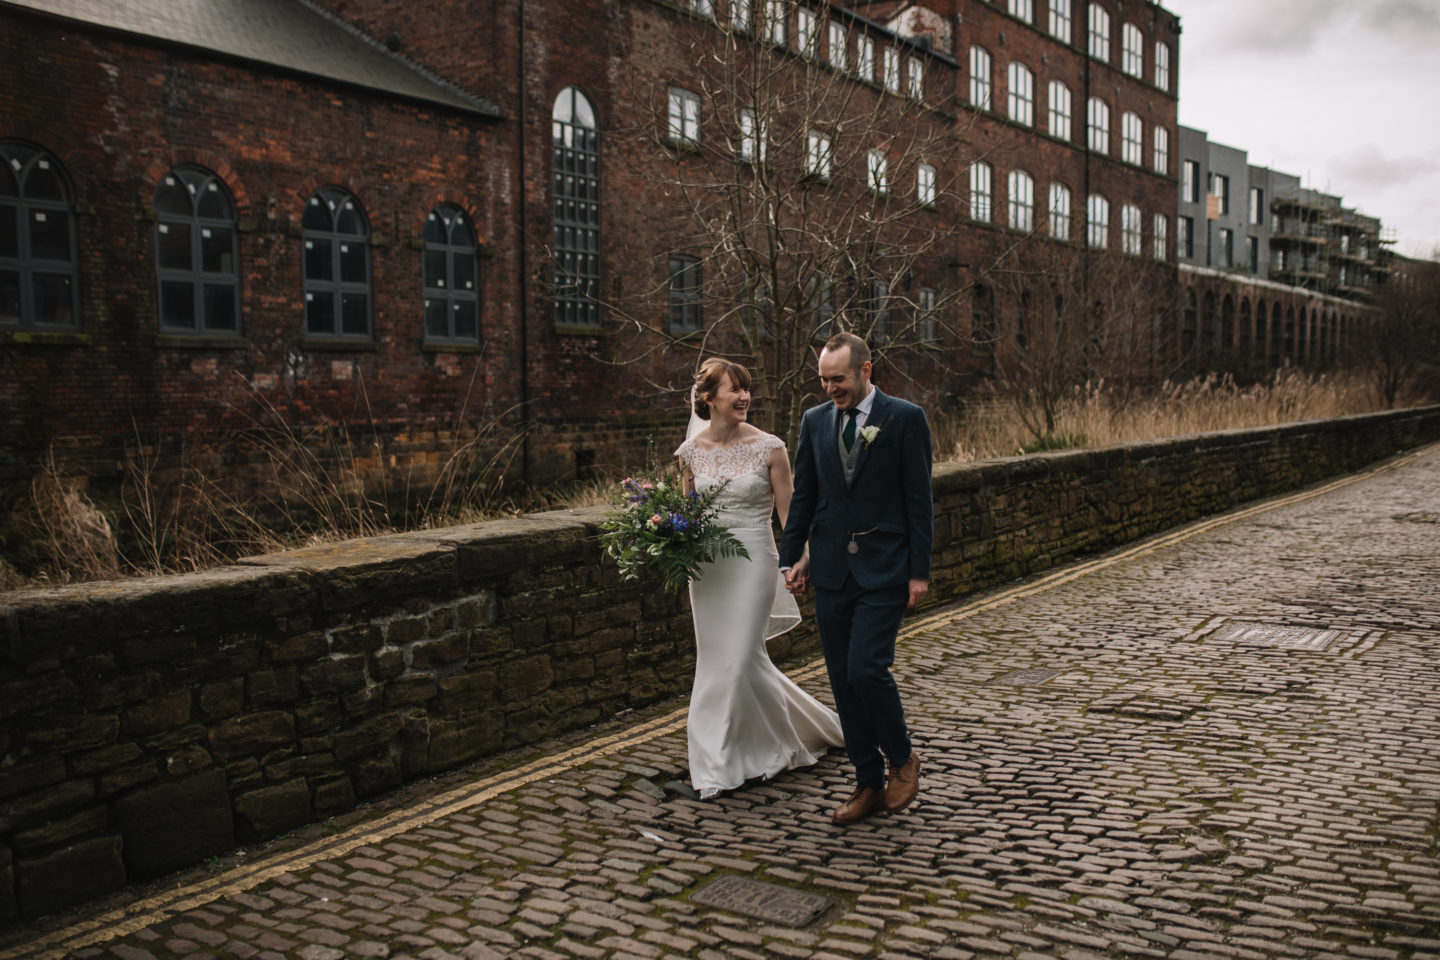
{"x": 861, "y": 804}
{"x": 904, "y": 783}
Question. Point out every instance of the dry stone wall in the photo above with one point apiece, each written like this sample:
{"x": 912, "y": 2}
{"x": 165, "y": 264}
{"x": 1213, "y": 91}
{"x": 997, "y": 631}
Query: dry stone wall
{"x": 148, "y": 724}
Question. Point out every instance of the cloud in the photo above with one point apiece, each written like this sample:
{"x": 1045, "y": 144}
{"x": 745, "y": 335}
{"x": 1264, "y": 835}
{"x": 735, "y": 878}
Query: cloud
{"x": 1369, "y": 165}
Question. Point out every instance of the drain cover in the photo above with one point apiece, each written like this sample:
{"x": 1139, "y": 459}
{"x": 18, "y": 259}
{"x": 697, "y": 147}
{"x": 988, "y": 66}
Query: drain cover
{"x": 764, "y": 901}
{"x": 1294, "y": 638}
{"x": 1024, "y": 678}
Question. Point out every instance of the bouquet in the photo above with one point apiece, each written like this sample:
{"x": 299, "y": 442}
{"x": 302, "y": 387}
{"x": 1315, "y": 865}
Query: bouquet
{"x": 658, "y": 527}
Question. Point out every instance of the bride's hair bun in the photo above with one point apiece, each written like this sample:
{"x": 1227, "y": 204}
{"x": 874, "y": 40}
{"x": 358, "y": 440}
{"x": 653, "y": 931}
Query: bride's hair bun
{"x": 709, "y": 377}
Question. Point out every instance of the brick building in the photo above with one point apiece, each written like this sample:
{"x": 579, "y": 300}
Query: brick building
{"x": 409, "y": 218}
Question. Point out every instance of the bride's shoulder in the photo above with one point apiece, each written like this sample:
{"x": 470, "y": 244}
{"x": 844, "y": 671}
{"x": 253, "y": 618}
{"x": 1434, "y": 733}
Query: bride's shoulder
{"x": 769, "y": 442}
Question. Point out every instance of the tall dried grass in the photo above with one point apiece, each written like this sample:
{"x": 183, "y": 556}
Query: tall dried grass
{"x": 1099, "y": 415}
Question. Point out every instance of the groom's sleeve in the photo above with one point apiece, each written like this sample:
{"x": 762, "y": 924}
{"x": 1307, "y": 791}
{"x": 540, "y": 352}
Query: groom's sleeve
{"x": 802, "y": 501}
{"x": 917, "y": 465}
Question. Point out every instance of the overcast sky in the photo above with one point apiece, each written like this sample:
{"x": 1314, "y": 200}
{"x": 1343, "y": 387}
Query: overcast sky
{"x": 1345, "y": 94}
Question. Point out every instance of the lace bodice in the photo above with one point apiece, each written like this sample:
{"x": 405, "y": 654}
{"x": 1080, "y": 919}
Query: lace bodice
{"x": 747, "y": 500}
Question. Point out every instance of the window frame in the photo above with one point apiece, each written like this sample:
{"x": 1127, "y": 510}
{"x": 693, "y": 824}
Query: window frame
{"x": 1161, "y": 240}
{"x": 1097, "y": 126}
{"x": 1023, "y": 10}
{"x": 877, "y": 171}
{"x": 982, "y": 192}
{"x": 819, "y": 155}
{"x": 23, "y": 158}
{"x": 1020, "y": 199}
{"x": 684, "y": 298}
{"x": 1132, "y": 235}
{"x": 1097, "y": 36}
{"x": 891, "y": 63}
{"x": 925, "y": 315}
{"x": 807, "y": 32}
{"x": 1190, "y": 181}
{"x": 335, "y": 284}
{"x": 1132, "y": 51}
{"x": 576, "y": 199}
{"x": 1055, "y": 114}
{"x": 196, "y": 277}
{"x": 1162, "y": 65}
{"x": 1061, "y": 21}
{"x": 777, "y": 23}
{"x": 926, "y": 193}
{"x": 1097, "y": 222}
{"x": 837, "y": 53}
{"x": 1020, "y": 93}
{"x": 865, "y": 58}
{"x": 982, "y": 89}
{"x": 754, "y": 137}
{"x": 679, "y": 119}
{"x": 452, "y": 215}
{"x": 1160, "y": 141}
{"x": 915, "y": 74}
{"x": 1060, "y": 214}
{"x": 742, "y": 19}
{"x": 1132, "y": 138}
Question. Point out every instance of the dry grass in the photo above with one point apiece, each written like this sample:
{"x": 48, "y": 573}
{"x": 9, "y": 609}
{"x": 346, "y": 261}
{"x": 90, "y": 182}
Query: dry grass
{"x": 1097, "y": 415}
{"x": 182, "y": 510}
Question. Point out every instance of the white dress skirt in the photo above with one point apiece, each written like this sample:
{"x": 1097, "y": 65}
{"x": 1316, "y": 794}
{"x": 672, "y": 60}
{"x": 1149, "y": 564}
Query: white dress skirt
{"x": 747, "y": 719}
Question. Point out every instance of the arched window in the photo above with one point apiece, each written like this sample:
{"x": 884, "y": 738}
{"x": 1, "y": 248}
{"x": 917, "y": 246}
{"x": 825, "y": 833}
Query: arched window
{"x": 1227, "y": 325}
{"x": 1022, "y": 201}
{"x": 196, "y": 262}
{"x": 1246, "y": 332}
{"x": 452, "y": 284}
{"x": 337, "y": 266}
{"x": 576, "y": 161}
{"x": 39, "y": 287}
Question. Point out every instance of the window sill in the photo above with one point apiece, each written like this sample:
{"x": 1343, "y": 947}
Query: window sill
{"x": 46, "y": 338}
{"x": 339, "y": 345}
{"x": 578, "y": 331}
{"x": 441, "y": 346}
{"x": 200, "y": 341}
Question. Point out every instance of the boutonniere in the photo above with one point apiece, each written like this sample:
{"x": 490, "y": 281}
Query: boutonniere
{"x": 868, "y": 434}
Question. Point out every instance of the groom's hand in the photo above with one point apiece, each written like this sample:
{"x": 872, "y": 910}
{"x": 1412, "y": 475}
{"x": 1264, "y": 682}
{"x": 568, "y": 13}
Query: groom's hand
{"x": 918, "y": 589}
{"x": 797, "y": 578}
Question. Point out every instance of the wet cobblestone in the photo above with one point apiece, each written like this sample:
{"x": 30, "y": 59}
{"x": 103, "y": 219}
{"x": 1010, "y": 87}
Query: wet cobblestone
{"x": 1166, "y": 792}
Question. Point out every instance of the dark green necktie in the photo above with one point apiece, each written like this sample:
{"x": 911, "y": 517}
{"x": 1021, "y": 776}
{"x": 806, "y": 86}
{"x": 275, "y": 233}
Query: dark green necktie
{"x": 848, "y": 434}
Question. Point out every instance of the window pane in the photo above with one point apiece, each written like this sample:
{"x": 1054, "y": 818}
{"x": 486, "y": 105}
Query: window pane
{"x": 177, "y": 304}
{"x": 44, "y": 183}
{"x": 172, "y": 241}
{"x": 349, "y": 221}
{"x": 318, "y": 262}
{"x": 317, "y": 215}
{"x": 217, "y": 250}
{"x": 435, "y": 228}
{"x": 50, "y": 235}
{"x": 172, "y": 197}
{"x": 352, "y": 263}
{"x": 435, "y": 273}
{"x": 465, "y": 328}
{"x": 214, "y": 203}
{"x": 9, "y": 296}
{"x": 54, "y": 298}
{"x": 9, "y": 231}
{"x": 435, "y": 319}
{"x": 320, "y": 312}
{"x": 356, "y": 313}
{"x": 220, "y": 306}
{"x": 464, "y": 271}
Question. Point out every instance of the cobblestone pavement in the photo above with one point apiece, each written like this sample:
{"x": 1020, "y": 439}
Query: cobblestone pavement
{"x": 1115, "y": 765}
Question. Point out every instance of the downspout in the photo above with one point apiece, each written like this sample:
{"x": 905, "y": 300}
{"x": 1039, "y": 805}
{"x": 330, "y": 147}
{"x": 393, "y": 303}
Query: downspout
{"x": 524, "y": 299}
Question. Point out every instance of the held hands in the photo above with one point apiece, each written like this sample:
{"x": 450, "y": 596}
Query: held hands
{"x": 918, "y": 589}
{"x": 797, "y": 578}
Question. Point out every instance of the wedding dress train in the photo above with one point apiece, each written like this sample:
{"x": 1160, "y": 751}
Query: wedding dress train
{"x": 747, "y": 719}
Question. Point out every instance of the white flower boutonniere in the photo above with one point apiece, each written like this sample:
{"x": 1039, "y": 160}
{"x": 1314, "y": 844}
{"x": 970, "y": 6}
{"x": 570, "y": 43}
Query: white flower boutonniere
{"x": 868, "y": 434}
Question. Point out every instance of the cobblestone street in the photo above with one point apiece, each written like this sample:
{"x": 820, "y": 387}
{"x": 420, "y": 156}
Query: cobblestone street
{"x": 1222, "y": 742}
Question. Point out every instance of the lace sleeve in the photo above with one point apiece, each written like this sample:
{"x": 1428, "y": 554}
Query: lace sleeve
{"x": 684, "y": 451}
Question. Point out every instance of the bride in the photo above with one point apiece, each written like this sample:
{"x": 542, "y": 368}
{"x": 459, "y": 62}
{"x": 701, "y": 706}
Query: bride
{"x": 747, "y": 719}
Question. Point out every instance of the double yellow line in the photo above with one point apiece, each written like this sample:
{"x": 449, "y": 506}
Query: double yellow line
{"x": 143, "y": 913}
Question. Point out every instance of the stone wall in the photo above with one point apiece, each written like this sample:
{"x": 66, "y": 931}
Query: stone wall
{"x": 148, "y": 724}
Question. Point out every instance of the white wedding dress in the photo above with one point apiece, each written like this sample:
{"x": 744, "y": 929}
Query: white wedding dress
{"x": 747, "y": 719}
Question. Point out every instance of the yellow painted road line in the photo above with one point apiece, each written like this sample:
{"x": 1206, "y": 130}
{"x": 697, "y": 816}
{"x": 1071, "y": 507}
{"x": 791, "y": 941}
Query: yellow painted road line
{"x": 143, "y": 913}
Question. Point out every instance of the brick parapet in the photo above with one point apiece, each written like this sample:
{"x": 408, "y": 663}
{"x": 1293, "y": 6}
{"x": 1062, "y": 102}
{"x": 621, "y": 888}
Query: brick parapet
{"x": 148, "y": 724}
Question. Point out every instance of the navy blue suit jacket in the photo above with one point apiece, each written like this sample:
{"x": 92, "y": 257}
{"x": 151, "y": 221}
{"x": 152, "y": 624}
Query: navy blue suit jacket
{"x": 889, "y": 497}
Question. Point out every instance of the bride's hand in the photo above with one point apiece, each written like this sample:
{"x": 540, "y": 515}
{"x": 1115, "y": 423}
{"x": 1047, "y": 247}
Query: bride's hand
{"x": 797, "y": 578}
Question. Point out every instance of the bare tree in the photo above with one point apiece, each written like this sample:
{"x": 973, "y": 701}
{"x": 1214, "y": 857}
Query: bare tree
{"x": 1400, "y": 351}
{"x": 1078, "y": 316}
{"x": 798, "y": 199}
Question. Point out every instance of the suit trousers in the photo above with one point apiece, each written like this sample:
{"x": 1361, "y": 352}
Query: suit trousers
{"x": 857, "y": 632}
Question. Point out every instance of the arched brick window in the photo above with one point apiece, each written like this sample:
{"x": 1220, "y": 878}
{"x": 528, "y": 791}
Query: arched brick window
{"x": 576, "y": 195}
{"x": 337, "y": 266}
{"x": 39, "y": 288}
{"x": 452, "y": 281}
{"x": 196, "y": 264}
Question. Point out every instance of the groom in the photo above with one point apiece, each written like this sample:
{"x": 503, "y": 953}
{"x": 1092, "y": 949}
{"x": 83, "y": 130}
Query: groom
{"x": 862, "y": 500}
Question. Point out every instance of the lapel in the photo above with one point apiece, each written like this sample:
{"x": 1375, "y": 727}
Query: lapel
{"x": 878, "y": 409}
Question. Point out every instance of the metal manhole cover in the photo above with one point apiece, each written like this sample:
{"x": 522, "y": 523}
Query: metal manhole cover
{"x": 1025, "y": 678}
{"x": 763, "y": 901}
{"x": 1293, "y": 638}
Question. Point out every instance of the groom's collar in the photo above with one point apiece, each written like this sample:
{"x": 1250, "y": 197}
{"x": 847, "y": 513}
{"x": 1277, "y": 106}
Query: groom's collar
{"x": 865, "y": 406}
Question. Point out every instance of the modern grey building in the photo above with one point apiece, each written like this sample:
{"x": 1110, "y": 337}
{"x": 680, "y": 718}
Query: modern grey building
{"x": 1257, "y": 222}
